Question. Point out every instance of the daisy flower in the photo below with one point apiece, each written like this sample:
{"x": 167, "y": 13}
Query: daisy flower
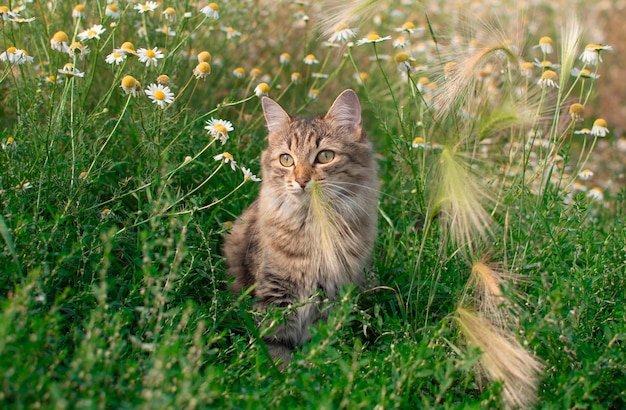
{"x": 403, "y": 61}
{"x": 313, "y": 93}
{"x": 361, "y": 78}
{"x": 146, "y": 7}
{"x": 9, "y": 144}
{"x": 322, "y": 76}
{"x": 78, "y": 49}
{"x": 60, "y": 41}
{"x": 310, "y": 60}
{"x": 164, "y": 79}
{"x": 130, "y": 85}
{"x": 255, "y": 72}
{"x": 526, "y": 69}
{"x": 545, "y": 44}
{"x": 149, "y": 56}
{"x": 576, "y": 111}
{"x": 219, "y": 129}
{"x": 167, "y": 31}
{"x": 90, "y": 33}
{"x": 170, "y": 14}
{"x": 372, "y": 37}
{"x": 202, "y": 70}
{"x": 227, "y": 158}
{"x": 262, "y": 89}
{"x": 249, "y": 176}
{"x": 583, "y": 131}
{"x": 239, "y": 72}
{"x": 546, "y": 64}
{"x": 285, "y": 58}
{"x": 160, "y": 95}
{"x": 116, "y": 57}
{"x": 584, "y": 73}
{"x": 342, "y": 34}
{"x": 418, "y": 142}
{"x": 591, "y": 54}
{"x": 6, "y": 14}
{"x": 128, "y": 48}
{"x": 296, "y": 77}
{"x": 596, "y": 194}
{"x": 585, "y": 174}
{"x": 70, "y": 71}
{"x": 204, "y": 57}
{"x": 79, "y": 11}
{"x": 230, "y": 32}
{"x": 400, "y": 42}
{"x": 409, "y": 27}
{"x": 112, "y": 11}
{"x": 211, "y": 11}
{"x": 548, "y": 79}
{"x": 599, "y": 128}
{"x": 21, "y": 20}
{"x": 16, "y": 56}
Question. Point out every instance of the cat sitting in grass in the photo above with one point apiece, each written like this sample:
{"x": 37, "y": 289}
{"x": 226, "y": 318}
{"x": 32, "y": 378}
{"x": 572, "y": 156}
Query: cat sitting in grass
{"x": 312, "y": 228}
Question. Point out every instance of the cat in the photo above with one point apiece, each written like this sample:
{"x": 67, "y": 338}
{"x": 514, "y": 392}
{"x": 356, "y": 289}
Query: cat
{"x": 313, "y": 226}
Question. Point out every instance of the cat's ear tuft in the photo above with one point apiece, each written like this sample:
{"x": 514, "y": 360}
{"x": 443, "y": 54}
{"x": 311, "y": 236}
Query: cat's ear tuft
{"x": 345, "y": 112}
{"x": 276, "y": 117}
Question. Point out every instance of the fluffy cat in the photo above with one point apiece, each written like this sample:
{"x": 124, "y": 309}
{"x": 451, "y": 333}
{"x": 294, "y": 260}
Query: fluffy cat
{"x": 312, "y": 227}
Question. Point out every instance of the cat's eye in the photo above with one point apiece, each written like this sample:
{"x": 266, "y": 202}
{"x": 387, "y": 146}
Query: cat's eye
{"x": 286, "y": 160}
{"x": 324, "y": 157}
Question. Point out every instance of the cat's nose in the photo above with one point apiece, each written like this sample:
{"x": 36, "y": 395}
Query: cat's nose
{"x": 302, "y": 180}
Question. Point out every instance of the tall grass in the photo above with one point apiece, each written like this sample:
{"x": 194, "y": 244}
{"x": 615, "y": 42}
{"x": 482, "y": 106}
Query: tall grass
{"x": 499, "y": 263}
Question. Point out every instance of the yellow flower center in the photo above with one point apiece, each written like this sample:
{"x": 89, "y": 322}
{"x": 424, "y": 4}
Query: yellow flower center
{"x": 310, "y": 57}
{"x": 128, "y": 47}
{"x": 204, "y": 56}
{"x": 449, "y": 67}
{"x": 286, "y": 56}
{"x": 129, "y": 82}
{"x": 526, "y": 66}
{"x": 423, "y": 81}
{"x": 549, "y": 75}
{"x": 263, "y": 87}
{"x": 12, "y": 50}
{"x": 60, "y": 37}
{"x": 116, "y": 55}
{"x": 418, "y": 141}
{"x": 401, "y": 57}
{"x": 170, "y": 11}
{"x": 255, "y": 72}
{"x": 150, "y": 54}
{"x": 577, "y": 109}
{"x": 10, "y": 140}
{"x": 79, "y": 8}
{"x": 204, "y": 67}
{"x": 113, "y": 8}
{"x": 4, "y": 9}
{"x": 363, "y": 76}
{"x": 221, "y": 129}
{"x": 163, "y": 79}
{"x": 230, "y": 30}
{"x": 240, "y": 70}
{"x": 52, "y": 78}
{"x": 408, "y": 26}
{"x": 159, "y": 95}
{"x": 600, "y": 122}
{"x": 214, "y": 6}
{"x": 373, "y": 36}
{"x": 92, "y": 33}
{"x": 545, "y": 40}
{"x": 227, "y": 155}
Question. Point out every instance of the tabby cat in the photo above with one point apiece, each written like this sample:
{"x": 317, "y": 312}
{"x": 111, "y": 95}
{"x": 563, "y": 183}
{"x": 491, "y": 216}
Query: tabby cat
{"x": 312, "y": 228}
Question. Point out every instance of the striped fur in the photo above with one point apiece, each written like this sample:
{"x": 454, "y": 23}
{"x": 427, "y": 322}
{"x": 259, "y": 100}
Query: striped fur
{"x": 313, "y": 226}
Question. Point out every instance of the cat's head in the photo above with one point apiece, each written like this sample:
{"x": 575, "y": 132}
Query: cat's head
{"x": 330, "y": 151}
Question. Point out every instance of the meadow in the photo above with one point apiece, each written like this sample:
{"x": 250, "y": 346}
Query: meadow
{"x": 131, "y": 134}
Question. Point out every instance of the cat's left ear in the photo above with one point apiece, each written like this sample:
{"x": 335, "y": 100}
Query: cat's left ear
{"x": 345, "y": 113}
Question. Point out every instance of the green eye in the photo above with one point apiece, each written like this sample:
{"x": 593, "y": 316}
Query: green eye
{"x": 324, "y": 157}
{"x": 286, "y": 160}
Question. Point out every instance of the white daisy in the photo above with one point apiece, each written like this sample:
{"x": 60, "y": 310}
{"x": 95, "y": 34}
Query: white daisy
{"x": 160, "y": 94}
{"x": 146, "y": 7}
{"x": 227, "y": 158}
{"x": 211, "y": 11}
{"x": 219, "y": 129}
{"x": 70, "y": 71}
{"x": 149, "y": 56}
{"x": 90, "y": 33}
{"x": 249, "y": 176}
{"x": 116, "y": 57}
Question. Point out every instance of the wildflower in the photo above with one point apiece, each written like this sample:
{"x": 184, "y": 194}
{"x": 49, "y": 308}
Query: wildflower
{"x": 160, "y": 94}
{"x": 26, "y": 185}
{"x": 106, "y": 213}
{"x": 147, "y": 6}
{"x": 70, "y": 71}
{"x": 239, "y": 72}
{"x": 546, "y": 64}
{"x": 545, "y": 44}
{"x": 6, "y": 14}
{"x": 16, "y": 56}
{"x": 526, "y": 69}
{"x": 170, "y": 14}
{"x": 128, "y": 48}
{"x": 400, "y": 42}
{"x": 342, "y": 34}
{"x": 591, "y": 54}
{"x": 409, "y": 27}
{"x": 112, "y": 11}
{"x": 596, "y": 194}
{"x": 150, "y": 57}
{"x": 211, "y": 11}
{"x": 249, "y": 176}
{"x": 9, "y": 144}
{"x": 116, "y": 57}
{"x": 91, "y": 33}
{"x": 21, "y": 20}
{"x": 403, "y": 61}
{"x": 204, "y": 57}
{"x": 227, "y": 158}
{"x": 418, "y": 142}
{"x": 79, "y": 11}
{"x": 296, "y": 77}
{"x": 166, "y": 30}
{"x": 576, "y": 111}
{"x": 78, "y": 49}
{"x": 583, "y": 131}
{"x": 60, "y": 41}
{"x": 130, "y": 85}
{"x": 202, "y": 70}
{"x": 163, "y": 79}
{"x": 361, "y": 78}
{"x": 584, "y": 73}
{"x": 585, "y": 174}
{"x": 313, "y": 93}
{"x": 219, "y": 129}
{"x": 82, "y": 175}
{"x": 599, "y": 128}
{"x": 53, "y": 79}
{"x": 262, "y": 89}
{"x": 231, "y": 32}
{"x": 255, "y": 72}
{"x": 310, "y": 60}
{"x": 548, "y": 79}
{"x": 372, "y": 37}
{"x": 285, "y": 58}
{"x": 422, "y": 84}
{"x": 322, "y": 76}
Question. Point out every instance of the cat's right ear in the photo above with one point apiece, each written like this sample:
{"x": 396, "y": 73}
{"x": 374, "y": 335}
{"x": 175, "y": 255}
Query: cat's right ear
{"x": 276, "y": 117}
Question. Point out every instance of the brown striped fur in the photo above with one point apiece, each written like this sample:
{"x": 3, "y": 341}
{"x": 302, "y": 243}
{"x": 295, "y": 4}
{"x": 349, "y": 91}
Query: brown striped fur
{"x": 313, "y": 226}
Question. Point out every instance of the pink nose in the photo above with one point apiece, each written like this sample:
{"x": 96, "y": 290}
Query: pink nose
{"x": 302, "y": 180}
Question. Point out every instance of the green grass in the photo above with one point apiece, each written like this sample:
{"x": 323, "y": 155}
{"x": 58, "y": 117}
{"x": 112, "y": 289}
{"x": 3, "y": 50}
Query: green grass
{"x": 113, "y": 289}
